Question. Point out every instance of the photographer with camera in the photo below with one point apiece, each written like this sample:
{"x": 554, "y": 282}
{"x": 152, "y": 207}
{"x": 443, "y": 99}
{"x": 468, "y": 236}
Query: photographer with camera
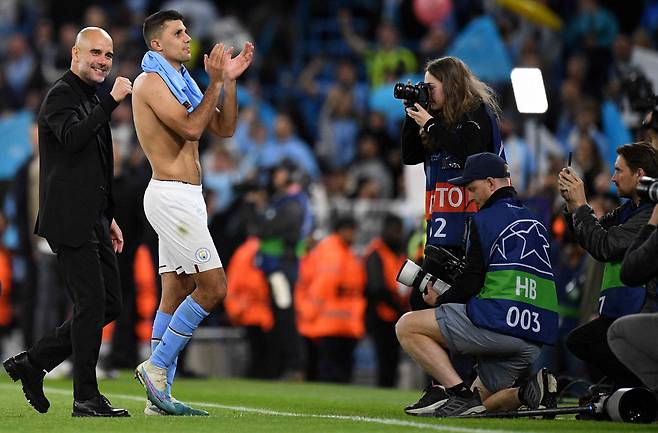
{"x": 627, "y": 336}
{"x": 500, "y": 309}
{"x": 608, "y": 239}
{"x": 449, "y": 116}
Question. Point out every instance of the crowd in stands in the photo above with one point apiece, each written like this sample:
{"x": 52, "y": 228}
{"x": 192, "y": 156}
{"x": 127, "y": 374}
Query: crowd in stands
{"x": 319, "y": 95}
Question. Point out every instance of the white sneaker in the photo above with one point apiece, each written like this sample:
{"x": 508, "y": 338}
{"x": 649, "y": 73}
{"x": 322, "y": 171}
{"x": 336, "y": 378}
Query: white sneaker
{"x": 153, "y": 410}
{"x": 154, "y": 380}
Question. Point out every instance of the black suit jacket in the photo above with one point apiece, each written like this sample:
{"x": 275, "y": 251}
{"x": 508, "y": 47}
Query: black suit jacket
{"x": 74, "y": 186}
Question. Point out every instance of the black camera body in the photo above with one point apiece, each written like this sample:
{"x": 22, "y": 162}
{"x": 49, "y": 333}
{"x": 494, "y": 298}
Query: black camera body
{"x": 413, "y": 93}
{"x": 639, "y": 90}
{"x": 648, "y": 188}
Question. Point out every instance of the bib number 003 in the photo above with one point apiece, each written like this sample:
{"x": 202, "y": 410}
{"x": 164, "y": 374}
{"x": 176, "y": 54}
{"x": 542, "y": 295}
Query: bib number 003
{"x": 526, "y": 319}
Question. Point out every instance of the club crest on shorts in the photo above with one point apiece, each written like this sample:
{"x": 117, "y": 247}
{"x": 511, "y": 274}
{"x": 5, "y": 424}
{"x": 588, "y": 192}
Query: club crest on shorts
{"x": 202, "y": 255}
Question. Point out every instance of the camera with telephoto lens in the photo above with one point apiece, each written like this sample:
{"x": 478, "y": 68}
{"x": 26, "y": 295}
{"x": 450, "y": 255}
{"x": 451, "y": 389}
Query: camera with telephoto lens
{"x": 648, "y": 188}
{"x": 412, "y": 93}
{"x": 440, "y": 267}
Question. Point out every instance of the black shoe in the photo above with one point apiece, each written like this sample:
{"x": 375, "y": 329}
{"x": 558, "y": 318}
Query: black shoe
{"x": 459, "y": 406}
{"x": 20, "y": 368}
{"x": 540, "y": 391}
{"x": 97, "y": 406}
{"x": 434, "y": 396}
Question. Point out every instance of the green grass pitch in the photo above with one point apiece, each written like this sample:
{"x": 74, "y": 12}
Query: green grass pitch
{"x": 260, "y": 407}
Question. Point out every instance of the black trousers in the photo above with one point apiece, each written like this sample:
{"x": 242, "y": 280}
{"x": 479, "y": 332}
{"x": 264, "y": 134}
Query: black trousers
{"x": 589, "y": 342}
{"x": 286, "y": 345}
{"x": 91, "y": 276}
{"x": 388, "y": 351}
{"x": 336, "y": 359}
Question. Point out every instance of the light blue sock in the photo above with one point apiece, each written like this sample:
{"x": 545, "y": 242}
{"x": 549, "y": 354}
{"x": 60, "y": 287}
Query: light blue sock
{"x": 160, "y": 324}
{"x": 186, "y": 319}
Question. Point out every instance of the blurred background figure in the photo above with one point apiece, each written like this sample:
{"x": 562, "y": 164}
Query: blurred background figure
{"x": 282, "y": 230}
{"x": 387, "y": 299}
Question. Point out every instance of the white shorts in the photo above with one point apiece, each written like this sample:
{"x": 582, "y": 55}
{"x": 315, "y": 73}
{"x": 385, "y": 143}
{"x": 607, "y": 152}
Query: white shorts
{"x": 177, "y": 212}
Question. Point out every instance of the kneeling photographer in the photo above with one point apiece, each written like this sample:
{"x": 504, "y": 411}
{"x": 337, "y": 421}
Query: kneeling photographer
{"x": 628, "y": 335}
{"x": 500, "y": 309}
{"x": 449, "y": 116}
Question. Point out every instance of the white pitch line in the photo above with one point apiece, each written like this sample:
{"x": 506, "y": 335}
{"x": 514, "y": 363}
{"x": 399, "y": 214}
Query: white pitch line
{"x": 383, "y": 421}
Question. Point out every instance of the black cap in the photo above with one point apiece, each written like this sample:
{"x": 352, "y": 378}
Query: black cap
{"x": 481, "y": 166}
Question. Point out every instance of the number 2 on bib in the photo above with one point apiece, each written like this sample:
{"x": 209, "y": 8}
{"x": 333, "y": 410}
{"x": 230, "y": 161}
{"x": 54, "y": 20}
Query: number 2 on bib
{"x": 439, "y": 232}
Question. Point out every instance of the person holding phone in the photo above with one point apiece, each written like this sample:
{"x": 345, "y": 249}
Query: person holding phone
{"x": 607, "y": 239}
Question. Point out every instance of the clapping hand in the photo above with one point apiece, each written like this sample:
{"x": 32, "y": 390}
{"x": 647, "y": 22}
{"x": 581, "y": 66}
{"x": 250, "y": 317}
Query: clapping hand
{"x": 215, "y": 63}
{"x": 234, "y": 67}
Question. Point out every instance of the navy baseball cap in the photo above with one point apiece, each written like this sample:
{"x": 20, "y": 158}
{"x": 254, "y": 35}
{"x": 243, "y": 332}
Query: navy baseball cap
{"x": 481, "y": 166}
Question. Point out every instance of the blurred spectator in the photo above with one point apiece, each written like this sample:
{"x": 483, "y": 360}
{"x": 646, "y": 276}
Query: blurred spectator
{"x": 331, "y": 303}
{"x": 251, "y": 135}
{"x": 43, "y": 44}
{"x": 387, "y": 299}
{"x": 587, "y": 116}
{"x": 340, "y": 118}
{"x": 248, "y": 304}
{"x": 200, "y": 14}
{"x": 570, "y": 97}
{"x": 285, "y": 224}
{"x": 592, "y": 31}
{"x": 221, "y": 173}
{"x": 519, "y": 156}
{"x": 591, "y": 27}
{"x": 433, "y": 45}
{"x": 590, "y": 166}
{"x": 385, "y": 60}
{"x": 19, "y": 66}
{"x": 369, "y": 166}
{"x": 286, "y": 145}
{"x": 67, "y": 34}
{"x": 95, "y": 16}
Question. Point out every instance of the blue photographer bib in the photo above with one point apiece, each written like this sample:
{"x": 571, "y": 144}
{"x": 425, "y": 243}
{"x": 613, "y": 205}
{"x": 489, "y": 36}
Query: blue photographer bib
{"x": 272, "y": 249}
{"x": 518, "y": 297}
{"x": 446, "y": 205}
{"x": 618, "y": 299}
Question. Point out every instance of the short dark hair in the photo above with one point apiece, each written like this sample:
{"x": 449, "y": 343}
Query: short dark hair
{"x": 153, "y": 23}
{"x": 345, "y": 222}
{"x": 640, "y": 155}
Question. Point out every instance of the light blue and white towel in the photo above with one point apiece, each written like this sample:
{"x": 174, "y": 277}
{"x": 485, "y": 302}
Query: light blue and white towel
{"x": 181, "y": 84}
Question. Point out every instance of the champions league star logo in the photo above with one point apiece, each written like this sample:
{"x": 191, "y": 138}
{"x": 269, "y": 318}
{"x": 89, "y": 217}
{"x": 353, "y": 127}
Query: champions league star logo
{"x": 523, "y": 244}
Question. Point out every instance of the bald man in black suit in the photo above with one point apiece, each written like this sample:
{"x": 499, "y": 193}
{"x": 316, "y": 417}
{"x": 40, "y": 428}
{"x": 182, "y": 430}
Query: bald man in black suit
{"x": 75, "y": 217}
